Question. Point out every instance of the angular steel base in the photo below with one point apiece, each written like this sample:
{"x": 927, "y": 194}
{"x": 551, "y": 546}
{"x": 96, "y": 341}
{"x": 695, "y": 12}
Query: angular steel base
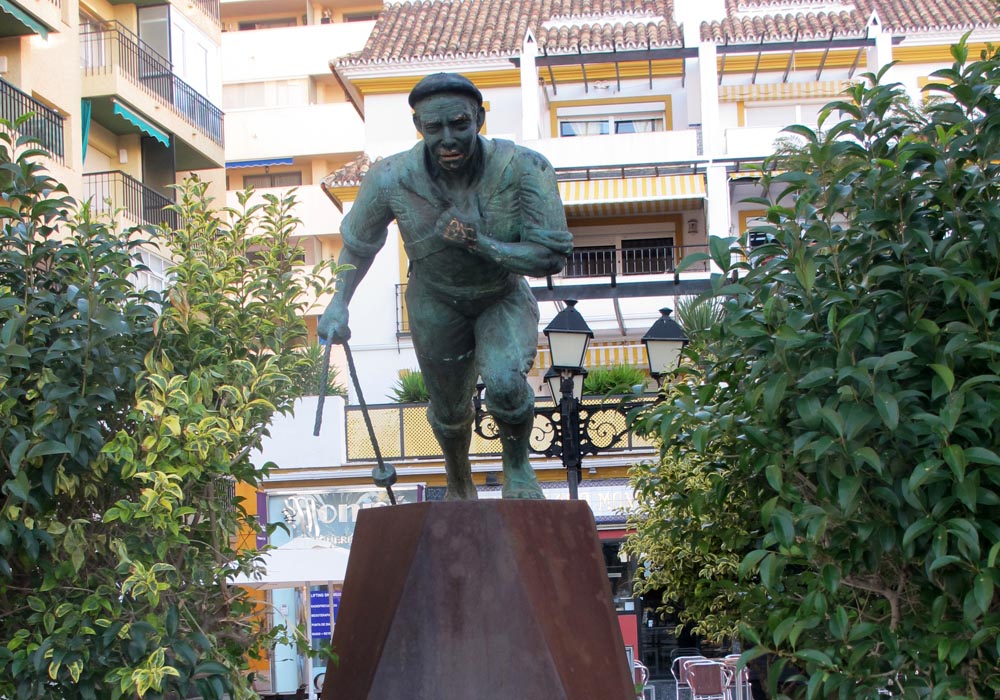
{"x": 477, "y": 600}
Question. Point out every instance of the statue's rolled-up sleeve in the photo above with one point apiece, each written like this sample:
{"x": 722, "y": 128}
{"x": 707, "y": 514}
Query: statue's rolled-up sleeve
{"x": 365, "y": 227}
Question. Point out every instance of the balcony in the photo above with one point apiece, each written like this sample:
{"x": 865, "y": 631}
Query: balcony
{"x": 679, "y": 146}
{"x": 44, "y": 124}
{"x": 113, "y": 193}
{"x": 321, "y": 129}
{"x": 118, "y": 67}
{"x": 275, "y": 54}
{"x": 629, "y": 261}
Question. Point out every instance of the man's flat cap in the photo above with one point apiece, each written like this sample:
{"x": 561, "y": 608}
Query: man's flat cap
{"x": 444, "y": 82}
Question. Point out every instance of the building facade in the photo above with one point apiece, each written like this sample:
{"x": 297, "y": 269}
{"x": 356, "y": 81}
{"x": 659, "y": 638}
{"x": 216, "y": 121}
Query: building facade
{"x": 653, "y": 113}
{"x": 123, "y": 96}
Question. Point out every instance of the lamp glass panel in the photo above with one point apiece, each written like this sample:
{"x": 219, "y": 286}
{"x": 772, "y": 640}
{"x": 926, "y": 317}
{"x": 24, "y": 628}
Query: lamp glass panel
{"x": 554, "y": 381}
{"x": 664, "y": 355}
{"x": 568, "y": 349}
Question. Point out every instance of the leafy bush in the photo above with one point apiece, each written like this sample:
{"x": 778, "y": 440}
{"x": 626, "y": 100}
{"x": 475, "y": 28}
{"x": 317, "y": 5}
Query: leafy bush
{"x": 126, "y": 419}
{"x": 842, "y": 428}
{"x": 409, "y": 388}
{"x": 614, "y": 380}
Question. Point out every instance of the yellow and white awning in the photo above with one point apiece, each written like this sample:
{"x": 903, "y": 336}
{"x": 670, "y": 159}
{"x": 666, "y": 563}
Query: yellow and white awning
{"x": 632, "y": 195}
{"x": 764, "y": 92}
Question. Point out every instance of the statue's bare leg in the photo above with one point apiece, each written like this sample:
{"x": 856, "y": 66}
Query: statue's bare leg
{"x": 519, "y": 480}
{"x": 455, "y": 441}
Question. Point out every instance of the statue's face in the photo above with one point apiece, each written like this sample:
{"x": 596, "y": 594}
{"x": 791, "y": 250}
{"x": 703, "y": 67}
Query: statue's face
{"x": 449, "y": 124}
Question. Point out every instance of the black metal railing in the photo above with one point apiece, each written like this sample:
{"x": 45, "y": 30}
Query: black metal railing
{"x": 114, "y": 190}
{"x": 44, "y": 123}
{"x": 608, "y": 261}
{"x": 113, "y": 47}
{"x": 402, "y": 318}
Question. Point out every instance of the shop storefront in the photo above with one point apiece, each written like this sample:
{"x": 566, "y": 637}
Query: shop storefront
{"x": 314, "y": 533}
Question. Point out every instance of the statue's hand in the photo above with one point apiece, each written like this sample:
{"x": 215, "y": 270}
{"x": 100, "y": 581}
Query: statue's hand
{"x": 333, "y": 324}
{"x": 560, "y": 242}
{"x": 459, "y": 230}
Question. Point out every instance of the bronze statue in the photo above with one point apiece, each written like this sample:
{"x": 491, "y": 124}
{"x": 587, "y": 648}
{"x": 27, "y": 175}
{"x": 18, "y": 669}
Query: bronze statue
{"x": 475, "y": 216}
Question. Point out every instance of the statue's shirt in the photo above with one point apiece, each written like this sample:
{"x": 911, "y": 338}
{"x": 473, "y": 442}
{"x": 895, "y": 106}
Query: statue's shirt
{"x": 516, "y": 196}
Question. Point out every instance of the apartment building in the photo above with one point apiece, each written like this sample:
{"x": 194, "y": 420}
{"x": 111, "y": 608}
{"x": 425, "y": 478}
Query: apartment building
{"x": 652, "y": 112}
{"x": 124, "y": 97}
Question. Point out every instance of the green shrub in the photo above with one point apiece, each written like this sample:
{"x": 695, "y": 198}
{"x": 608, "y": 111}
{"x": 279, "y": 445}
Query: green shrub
{"x": 410, "y": 388}
{"x": 614, "y": 380}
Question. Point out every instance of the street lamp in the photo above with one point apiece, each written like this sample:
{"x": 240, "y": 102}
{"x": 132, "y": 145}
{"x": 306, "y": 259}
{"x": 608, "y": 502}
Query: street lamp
{"x": 576, "y": 429}
{"x": 664, "y": 342}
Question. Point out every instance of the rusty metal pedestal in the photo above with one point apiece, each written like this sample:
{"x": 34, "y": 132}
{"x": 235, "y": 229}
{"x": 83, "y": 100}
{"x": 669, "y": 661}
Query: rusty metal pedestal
{"x": 477, "y": 600}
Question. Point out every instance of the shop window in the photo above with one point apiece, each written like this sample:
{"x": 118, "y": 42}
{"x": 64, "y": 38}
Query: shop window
{"x": 292, "y": 179}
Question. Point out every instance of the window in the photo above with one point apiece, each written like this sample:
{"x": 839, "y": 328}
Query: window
{"x": 156, "y": 277}
{"x": 647, "y": 256}
{"x": 250, "y": 25}
{"x": 762, "y": 114}
{"x": 591, "y": 261}
{"x": 635, "y": 256}
{"x": 610, "y": 124}
{"x": 361, "y": 16}
{"x": 269, "y": 93}
{"x": 293, "y": 179}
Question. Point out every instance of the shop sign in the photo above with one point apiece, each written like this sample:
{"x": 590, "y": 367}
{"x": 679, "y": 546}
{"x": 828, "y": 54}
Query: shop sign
{"x": 328, "y": 515}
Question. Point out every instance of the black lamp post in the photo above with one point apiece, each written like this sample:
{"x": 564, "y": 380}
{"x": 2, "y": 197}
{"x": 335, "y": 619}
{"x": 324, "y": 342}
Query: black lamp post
{"x": 572, "y": 426}
{"x": 569, "y": 335}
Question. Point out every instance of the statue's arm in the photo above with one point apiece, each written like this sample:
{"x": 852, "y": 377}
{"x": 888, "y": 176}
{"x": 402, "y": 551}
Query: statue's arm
{"x": 545, "y": 240}
{"x": 364, "y": 231}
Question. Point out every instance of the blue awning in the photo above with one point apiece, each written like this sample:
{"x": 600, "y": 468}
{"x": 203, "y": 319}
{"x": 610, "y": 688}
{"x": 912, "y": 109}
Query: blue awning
{"x": 24, "y": 18}
{"x": 147, "y": 128}
{"x": 258, "y": 163}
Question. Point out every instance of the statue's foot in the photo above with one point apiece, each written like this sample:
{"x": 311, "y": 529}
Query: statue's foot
{"x": 461, "y": 490}
{"x": 522, "y": 487}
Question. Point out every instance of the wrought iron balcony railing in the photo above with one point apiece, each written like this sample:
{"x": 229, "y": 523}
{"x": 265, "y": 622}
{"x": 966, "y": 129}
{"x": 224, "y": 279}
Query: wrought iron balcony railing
{"x": 114, "y": 190}
{"x": 113, "y": 47}
{"x": 44, "y": 123}
{"x": 608, "y": 261}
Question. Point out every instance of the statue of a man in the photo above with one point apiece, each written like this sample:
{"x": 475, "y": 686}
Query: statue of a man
{"x": 475, "y": 216}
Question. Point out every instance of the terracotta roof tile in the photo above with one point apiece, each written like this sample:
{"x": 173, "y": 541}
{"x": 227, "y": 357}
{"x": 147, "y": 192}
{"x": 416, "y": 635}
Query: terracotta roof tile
{"x": 781, "y": 20}
{"x": 433, "y": 29}
{"x": 351, "y": 174}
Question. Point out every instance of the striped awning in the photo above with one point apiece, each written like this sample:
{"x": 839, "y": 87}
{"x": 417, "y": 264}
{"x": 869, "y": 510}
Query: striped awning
{"x": 763, "y": 92}
{"x": 259, "y": 163}
{"x": 601, "y": 355}
{"x": 632, "y": 195}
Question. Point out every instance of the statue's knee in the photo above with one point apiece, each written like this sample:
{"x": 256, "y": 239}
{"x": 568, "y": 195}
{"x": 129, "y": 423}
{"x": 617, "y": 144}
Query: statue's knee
{"x": 510, "y": 399}
{"x": 451, "y": 423}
